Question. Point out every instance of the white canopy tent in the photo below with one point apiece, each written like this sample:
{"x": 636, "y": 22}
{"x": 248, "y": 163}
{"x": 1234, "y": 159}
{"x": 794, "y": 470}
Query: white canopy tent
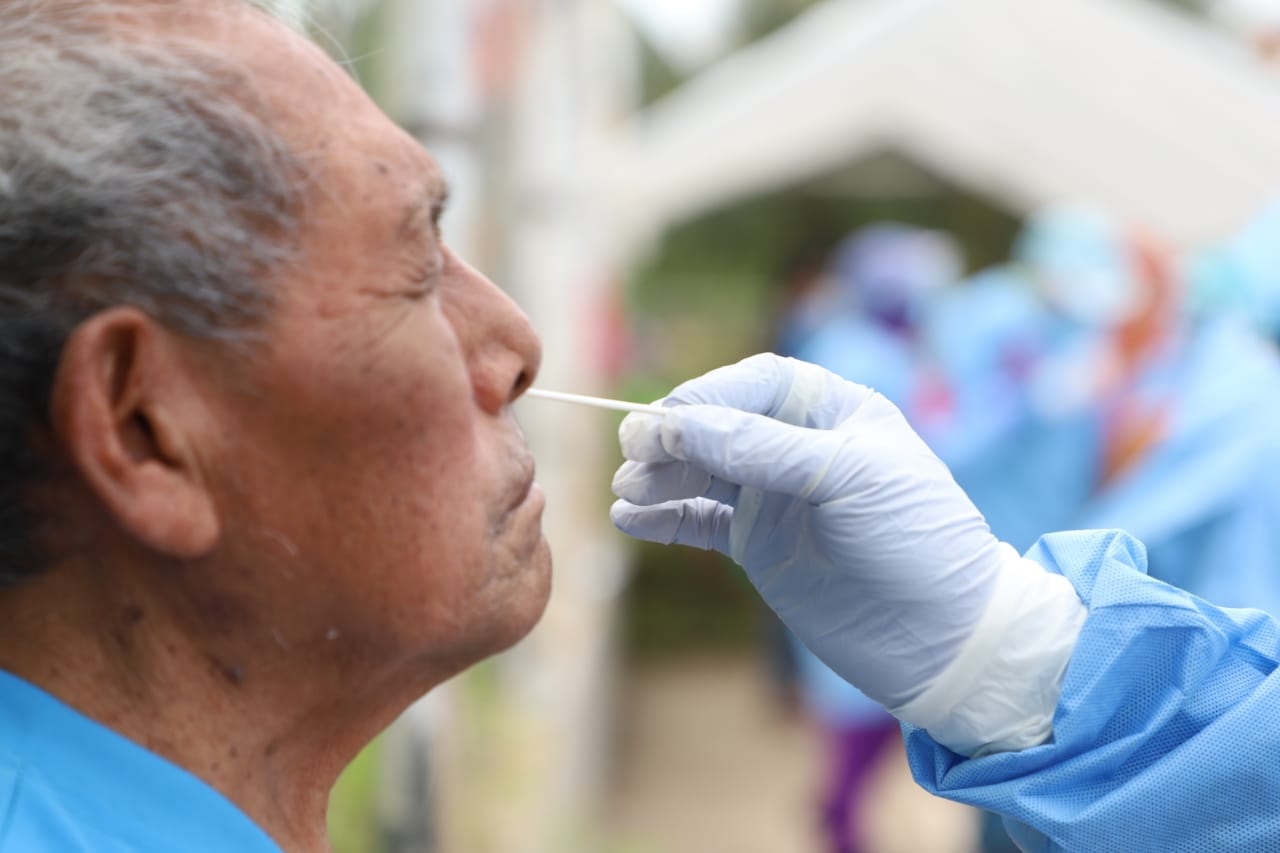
{"x": 1122, "y": 103}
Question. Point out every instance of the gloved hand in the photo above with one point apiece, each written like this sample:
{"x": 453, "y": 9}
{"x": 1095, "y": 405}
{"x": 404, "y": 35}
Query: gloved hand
{"x": 847, "y": 524}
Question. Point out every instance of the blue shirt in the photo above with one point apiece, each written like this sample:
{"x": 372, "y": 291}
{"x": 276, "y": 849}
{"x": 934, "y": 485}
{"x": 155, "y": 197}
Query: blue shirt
{"x": 1167, "y": 731}
{"x": 71, "y": 785}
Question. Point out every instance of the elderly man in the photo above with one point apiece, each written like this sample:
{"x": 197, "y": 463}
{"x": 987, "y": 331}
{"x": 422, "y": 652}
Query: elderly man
{"x": 263, "y": 485}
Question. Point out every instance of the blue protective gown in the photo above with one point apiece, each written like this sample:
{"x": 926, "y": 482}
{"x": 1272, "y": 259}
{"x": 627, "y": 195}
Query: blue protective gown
{"x": 1166, "y": 733}
{"x": 71, "y": 785}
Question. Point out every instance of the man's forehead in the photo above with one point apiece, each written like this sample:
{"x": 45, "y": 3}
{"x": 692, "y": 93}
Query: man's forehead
{"x": 321, "y": 112}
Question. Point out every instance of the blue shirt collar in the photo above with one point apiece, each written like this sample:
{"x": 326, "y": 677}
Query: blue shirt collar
{"x": 108, "y": 779}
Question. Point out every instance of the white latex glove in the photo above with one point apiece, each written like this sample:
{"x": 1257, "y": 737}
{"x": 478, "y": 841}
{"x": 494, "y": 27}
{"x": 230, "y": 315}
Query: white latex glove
{"x": 847, "y": 524}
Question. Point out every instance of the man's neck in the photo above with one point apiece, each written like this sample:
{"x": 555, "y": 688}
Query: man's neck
{"x": 267, "y": 725}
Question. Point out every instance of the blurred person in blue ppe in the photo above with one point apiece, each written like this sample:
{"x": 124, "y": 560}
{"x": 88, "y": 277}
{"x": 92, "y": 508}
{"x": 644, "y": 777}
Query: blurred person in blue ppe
{"x": 1080, "y": 263}
{"x": 873, "y": 292}
{"x": 1192, "y": 465}
{"x": 1095, "y": 707}
{"x": 1185, "y": 396}
{"x": 1240, "y": 277}
{"x": 881, "y": 277}
{"x": 1139, "y": 414}
{"x": 1028, "y": 467}
{"x": 1076, "y": 260}
{"x": 263, "y": 485}
{"x": 1112, "y": 288}
{"x": 986, "y": 335}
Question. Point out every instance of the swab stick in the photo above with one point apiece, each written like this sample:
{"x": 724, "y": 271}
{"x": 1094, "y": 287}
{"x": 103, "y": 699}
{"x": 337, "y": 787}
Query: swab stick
{"x": 598, "y": 402}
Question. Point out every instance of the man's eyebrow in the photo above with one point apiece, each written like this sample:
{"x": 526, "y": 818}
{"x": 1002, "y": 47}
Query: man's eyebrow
{"x": 426, "y": 210}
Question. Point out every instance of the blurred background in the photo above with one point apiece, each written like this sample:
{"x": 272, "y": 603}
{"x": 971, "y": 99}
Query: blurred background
{"x": 1045, "y": 230}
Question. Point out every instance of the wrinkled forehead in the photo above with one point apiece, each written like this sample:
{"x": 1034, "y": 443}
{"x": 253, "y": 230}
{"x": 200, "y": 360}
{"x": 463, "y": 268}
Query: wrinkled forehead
{"x": 364, "y": 172}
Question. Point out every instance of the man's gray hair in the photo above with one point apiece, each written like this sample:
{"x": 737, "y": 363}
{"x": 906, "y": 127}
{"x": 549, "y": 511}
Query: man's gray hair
{"x": 133, "y": 171}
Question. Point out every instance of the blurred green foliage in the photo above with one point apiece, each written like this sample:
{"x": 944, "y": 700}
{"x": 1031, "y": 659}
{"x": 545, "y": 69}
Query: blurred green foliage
{"x": 352, "y": 819}
{"x": 761, "y": 17}
{"x": 683, "y": 600}
{"x": 657, "y": 77}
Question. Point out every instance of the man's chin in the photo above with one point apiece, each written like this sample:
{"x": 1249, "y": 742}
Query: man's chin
{"x": 527, "y": 605}
{"x": 523, "y": 604}
{"x": 505, "y": 623}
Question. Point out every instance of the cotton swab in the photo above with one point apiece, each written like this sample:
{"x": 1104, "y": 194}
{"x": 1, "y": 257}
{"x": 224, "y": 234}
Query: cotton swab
{"x": 598, "y": 402}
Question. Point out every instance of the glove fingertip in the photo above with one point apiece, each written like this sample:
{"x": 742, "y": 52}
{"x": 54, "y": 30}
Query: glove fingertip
{"x": 620, "y": 513}
{"x": 640, "y": 437}
{"x": 624, "y": 477}
{"x": 651, "y": 524}
{"x": 684, "y": 424}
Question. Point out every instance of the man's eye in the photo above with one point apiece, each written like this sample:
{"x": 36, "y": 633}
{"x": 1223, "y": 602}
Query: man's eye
{"x": 424, "y": 290}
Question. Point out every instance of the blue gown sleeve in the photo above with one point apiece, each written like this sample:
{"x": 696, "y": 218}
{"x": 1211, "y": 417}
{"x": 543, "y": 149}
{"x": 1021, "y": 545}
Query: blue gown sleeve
{"x": 1167, "y": 730}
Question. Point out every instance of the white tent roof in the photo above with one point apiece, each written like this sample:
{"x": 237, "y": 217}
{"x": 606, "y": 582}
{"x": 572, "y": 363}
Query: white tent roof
{"x": 1117, "y": 102}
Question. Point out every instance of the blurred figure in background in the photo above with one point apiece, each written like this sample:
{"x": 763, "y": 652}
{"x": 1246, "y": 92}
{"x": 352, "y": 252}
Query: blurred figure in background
{"x": 1184, "y": 400}
{"x": 1240, "y": 278}
{"x": 1029, "y": 352}
{"x": 881, "y": 278}
{"x": 1193, "y": 451}
{"x": 1109, "y": 289}
{"x": 1140, "y": 408}
{"x": 1027, "y": 465}
{"x": 861, "y": 318}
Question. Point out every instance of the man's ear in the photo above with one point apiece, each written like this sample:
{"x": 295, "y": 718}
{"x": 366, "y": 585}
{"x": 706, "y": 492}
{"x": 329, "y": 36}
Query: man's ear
{"x": 123, "y": 409}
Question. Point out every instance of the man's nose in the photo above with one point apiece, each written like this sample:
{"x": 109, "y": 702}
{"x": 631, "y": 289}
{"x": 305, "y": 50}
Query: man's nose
{"x": 502, "y": 349}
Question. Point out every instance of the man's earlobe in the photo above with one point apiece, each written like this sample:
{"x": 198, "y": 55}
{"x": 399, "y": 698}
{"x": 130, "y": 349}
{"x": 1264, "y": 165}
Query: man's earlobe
{"x": 122, "y": 411}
